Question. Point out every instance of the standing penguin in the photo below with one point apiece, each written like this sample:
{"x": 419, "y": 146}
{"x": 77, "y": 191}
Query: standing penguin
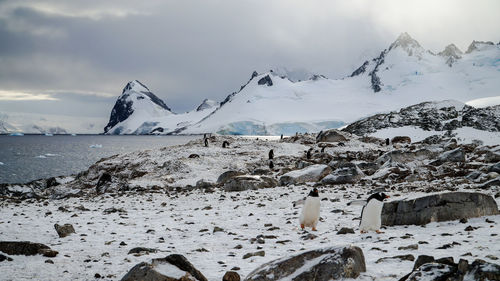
{"x": 371, "y": 213}
{"x": 271, "y": 154}
{"x": 310, "y": 212}
{"x": 206, "y": 142}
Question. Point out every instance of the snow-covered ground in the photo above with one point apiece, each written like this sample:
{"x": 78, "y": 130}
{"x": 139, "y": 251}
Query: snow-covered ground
{"x": 182, "y": 221}
{"x": 184, "y": 224}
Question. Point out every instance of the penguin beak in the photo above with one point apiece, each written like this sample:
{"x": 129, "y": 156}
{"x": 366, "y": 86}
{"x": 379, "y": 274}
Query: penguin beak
{"x": 387, "y": 196}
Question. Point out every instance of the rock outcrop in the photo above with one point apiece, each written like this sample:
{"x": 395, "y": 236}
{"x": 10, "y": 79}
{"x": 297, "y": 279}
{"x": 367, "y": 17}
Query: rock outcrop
{"x": 171, "y": 268}
{"x": 319, "y": 265}
{"x": 431, "y": 116}
{"x": 438, "y": 207}
{"x": 26, "y": 248}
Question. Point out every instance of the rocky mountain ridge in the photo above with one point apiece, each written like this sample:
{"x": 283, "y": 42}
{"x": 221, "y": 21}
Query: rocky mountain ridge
{"x": 432, "y": 116}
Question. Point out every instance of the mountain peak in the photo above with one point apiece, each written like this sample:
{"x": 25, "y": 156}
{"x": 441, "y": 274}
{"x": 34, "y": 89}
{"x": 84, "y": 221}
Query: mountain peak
{"x": 206, "y": 103}
{"x": 451, "y": 51}
{"x": 477, "y": 44}
{"x": 135, "y": 85}
{"x": 408, "y": 44}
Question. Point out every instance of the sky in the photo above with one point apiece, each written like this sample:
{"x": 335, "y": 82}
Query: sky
{"x": 73, "y": 58}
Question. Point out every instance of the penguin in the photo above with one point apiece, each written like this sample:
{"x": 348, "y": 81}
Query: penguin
{"x": 281, "y": 137}
{"x": 371, "y": 213}
{"x": 271, "y": 154}
{"x": 387, "y": 141}
{"x": 308, "y": 153}
{"x": 310, "y": 212}
{"x": 323, "y": 149}
{"x": 206, "y": 142}
{"x": 225, "y": 144}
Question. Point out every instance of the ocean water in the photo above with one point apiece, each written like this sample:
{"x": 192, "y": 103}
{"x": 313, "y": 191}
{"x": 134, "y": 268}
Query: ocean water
{"x": 30, "y": 157}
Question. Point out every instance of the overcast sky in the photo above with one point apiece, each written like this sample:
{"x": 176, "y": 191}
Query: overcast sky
{"x": 74, "y": 57}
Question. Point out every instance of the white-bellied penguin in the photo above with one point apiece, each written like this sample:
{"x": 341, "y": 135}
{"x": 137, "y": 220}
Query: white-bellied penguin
{"x": 372, "y": 212}
{"x": 310, "y": 212}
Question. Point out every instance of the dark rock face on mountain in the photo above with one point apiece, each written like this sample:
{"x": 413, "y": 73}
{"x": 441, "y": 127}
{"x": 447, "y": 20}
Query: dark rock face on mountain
{"x": 266, "y": 80}
{"x": 431, "y": 116}
{"x": 123, "y": 107}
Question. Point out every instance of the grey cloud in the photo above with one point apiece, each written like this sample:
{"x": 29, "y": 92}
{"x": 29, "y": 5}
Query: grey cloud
{"x": 186, "y": 51}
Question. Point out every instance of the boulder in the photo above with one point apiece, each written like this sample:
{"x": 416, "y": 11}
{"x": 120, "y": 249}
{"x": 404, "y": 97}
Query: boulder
{"x": 494, "y": 168}
{"x": 171, "y": 268}
{"x": 455, "y": 155}
{"x": 231, "y": 276}
{"x": 321, "y": 264}
{"x": 331, "y": 136}
{"x": 26, "y": 248}
{"x": 403, "y": 157}
{"x": 345, "y": 173}
{"x": 401, "y": 139}
{"x": 311, "y": 173}
{"x": 438, "y": 207}
{"x": 246, "y": 182}
{"x": 227, "y": 175}
{"x": 64, "y": 230}
{"x": 447, "y": 269}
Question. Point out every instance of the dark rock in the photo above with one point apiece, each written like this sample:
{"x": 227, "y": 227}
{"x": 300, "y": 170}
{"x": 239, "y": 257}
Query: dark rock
{"x": 331, "y": 135}
{"x": 50, "y": 182}
{"x": 64, "y": 230}
{"x": 49, "y": 261}
{"x": 329, "y": 263}
{"x": 246, "y": 182}
{"x": 490, "y": 183}
{"x": 421, "y": 260}
{"x": 266, "y": 80}
{"x": 138, "y": 250}
{"x": 494, "y": 168}
{"x": 438, "y": 207}
{"x": 26, "y": 248}
{"x": 446, "y": 269}
{"x": 193, "y": 155}
{"x": 3, "y": 258}
{"x": 231, "y": 276}
{"x": 255, "y": 254}
{"x": 152, "y": 272}
{"x": 455, "y": 155}
{"x": 345, "y": 230}
{"x": 103, "y": 179}
{"x": 399, "y": 257}
{"x": 401, "y": 139}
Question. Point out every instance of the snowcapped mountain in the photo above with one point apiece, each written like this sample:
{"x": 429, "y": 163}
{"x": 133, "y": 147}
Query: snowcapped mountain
{"x": 402, "y": 75}
{"x": 283, "y": 101}
{"x": 139, "y": 111}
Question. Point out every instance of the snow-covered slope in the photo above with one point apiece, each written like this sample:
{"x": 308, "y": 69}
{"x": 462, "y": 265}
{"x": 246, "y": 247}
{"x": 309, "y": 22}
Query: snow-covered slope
{"x": 139, "y": 111}
{"x": 404, "y": 74}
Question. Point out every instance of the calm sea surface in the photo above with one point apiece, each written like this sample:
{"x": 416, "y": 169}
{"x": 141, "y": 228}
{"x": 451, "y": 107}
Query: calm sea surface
{"x": 30, "y": 157}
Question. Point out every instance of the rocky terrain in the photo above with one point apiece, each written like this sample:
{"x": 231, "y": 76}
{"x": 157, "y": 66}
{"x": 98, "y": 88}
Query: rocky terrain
{"x": 432, "y": 116}
{"x": 200, "y": 212}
